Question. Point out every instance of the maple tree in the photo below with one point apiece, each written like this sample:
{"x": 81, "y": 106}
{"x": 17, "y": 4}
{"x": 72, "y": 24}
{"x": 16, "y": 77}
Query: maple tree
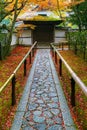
{"x": 79, "y": 16}
{"x": 10, "y": 8}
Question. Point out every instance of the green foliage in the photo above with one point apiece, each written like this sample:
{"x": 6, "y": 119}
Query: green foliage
{"x": 78, "y": 42}
{"x": 10, "y": 9}
{"x": 4, "y": 46}
{"x": 79, "y": 16}
{"x": 3, "y": 11}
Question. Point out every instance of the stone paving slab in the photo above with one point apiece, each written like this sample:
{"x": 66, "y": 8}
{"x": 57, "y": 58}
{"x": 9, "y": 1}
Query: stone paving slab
{"x": 43, "y": 105}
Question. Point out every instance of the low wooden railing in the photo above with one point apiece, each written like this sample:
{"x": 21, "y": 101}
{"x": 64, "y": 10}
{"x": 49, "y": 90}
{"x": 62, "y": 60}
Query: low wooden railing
{"x": 74, "y": 77}
{"x": 12, "y": 77}
{"x": 62, "y": 43}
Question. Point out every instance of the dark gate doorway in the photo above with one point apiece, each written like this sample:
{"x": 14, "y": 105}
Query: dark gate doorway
{"x": 43, "y": 34}
{"x": 44, "y": 31}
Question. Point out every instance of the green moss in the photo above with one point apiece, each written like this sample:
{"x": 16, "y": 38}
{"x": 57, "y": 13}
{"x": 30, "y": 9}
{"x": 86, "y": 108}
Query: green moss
{"x": 44, "y": 18}
{"x": 1, "y": 84}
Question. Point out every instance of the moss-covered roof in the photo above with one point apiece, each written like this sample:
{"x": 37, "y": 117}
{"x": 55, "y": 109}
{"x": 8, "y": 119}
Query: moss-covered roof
{"x": 40, "y": 16}
{"x": 42, "y": 22}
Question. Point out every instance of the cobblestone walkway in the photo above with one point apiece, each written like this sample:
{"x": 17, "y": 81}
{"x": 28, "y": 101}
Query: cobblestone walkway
{"x": 43, "y": 109}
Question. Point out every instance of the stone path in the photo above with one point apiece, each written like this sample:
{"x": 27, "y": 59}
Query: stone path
{"x": 40, "y": 107}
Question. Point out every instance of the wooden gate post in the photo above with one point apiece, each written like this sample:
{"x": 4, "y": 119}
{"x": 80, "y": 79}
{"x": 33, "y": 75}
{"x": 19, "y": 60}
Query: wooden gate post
{"x": 30, "y": 58}
{"x": 60, "y": 67}
{"x": 13, "y": 91}
{"x": 25, "y": 62}
{"x": 33, "y": 52}
{"x": 55, "y": 57}
{"x": 72, "y": 92}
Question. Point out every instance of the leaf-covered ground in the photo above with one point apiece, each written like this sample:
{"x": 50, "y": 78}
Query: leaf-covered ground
{"x": 7, "y": 67}
{"x": 77, "y": 64}
{"x": 79, "y": 112}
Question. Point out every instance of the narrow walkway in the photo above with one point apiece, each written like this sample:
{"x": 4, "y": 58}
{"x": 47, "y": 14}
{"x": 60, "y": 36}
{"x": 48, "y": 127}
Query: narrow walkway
{"x": 43, "y": 106}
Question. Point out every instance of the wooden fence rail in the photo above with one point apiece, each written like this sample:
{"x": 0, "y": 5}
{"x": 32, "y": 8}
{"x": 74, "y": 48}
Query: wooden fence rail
{"x": 74, "y": 77}
{"x": 12, "y": 77}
